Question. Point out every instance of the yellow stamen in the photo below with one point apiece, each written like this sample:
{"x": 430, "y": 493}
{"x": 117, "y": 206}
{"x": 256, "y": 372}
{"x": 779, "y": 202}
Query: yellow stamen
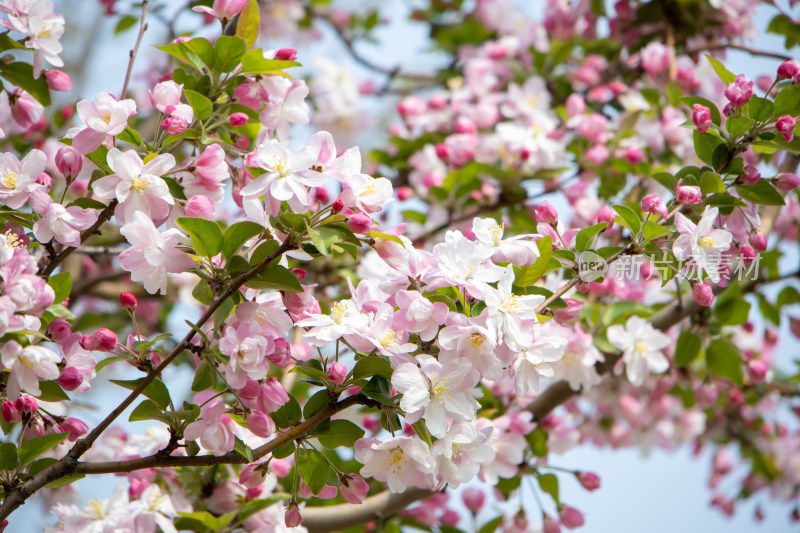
{"x": 138, "y": 184}
{"x": 10, "y": 179}
{"x": 706, "y": 242}
{"x": 476, "y": 340}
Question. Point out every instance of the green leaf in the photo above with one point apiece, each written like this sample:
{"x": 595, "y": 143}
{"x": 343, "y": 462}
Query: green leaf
{"x": 549, "y": 484}
{"x": 149, "y": 410}
{"x": 254, "y": 62}
{"x": 124, "y": 23}
{"x": 206, "y": 235}
{"x": 529, "y": 275}
{"x": 724, "y": 360}
{"x": 253, "y": 506}
{"x": 628, "y": 218}
{"x": 689, "y": 348}
{"x": 108, "y": 360}
{"x": 61, "y": 285}
{"x": 492, "y": 525}
{"x": 7, "y": 43}
{"x": 317, "y": 402}
{"x": 33, "y": 448}
{"x": 324, "y": 237}
{"x": 711, "y": 182}
{"x": 379, "y": 389}
{"x": 21, "y": 75}
{"x": 724, "y": 74}
{"x": 652, "y": 230}
{"x": 666, "y": 180}
{"x": 703, "y": 147}
{"x": 538, "y": 441}
{"x": 39, "y": 464}
{"x": 274, "y": 276}
{"x": 130, "y": 136}
{"x": 788, "y": 101}
{"x": 313, "y": 468}
{"x": 204, "y": 377}
{"x": 64, "y": 481}
{"x": 249, "y": 23}
{"x": 284, "y": 451}
{"x": 691, "y": 100}
{"x": 289, "y": 414}
{"x": 237, "y": 234}
{"x": 732, "y": 310}
{"x": 372, "y": 366}
{"x": 738, "y": 126}
{"x": 200, "y": 52}
{"x": 762, "y": 193}
{"x": 51, "y": 391}
{"x": 386, "y": 236}
{"x": 228, "y": 51}
{"x": 585, "y": 236}
{"x": 242, "y": 448}
{"x": 202, "y": 106}
{"x": 155, "y": 390}
{"x": 760, "y": 109}
{"x": 8, "y": 457}
{"x": 207, "y": 519}
{"x": 338, "y": 433}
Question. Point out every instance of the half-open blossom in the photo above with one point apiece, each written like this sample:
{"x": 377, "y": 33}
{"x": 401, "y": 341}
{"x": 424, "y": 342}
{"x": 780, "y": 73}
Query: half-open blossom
{"x": 353, "y": 488}
{"x": 63, "y": 224}
{"x": 401, "y": 462}
{"x": 702, "y": 242}
{"x": 701, "y": 116}
{"x": 208, "y": 172}
{"x": 739, "y": 92}
{"x": 211, "y": 429}
{"x": 137, "y": 185}
{"x": 641, "y": 346}
{"x": 224, "y": 10}
{"x": 786, "y": 126}
{"x": 105, "y": 116}
{"x": 152, "y": 253}
{"x": 435, "y": 390}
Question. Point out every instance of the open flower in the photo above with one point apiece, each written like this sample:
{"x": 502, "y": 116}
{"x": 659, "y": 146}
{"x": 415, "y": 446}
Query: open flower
{"x": 28, "y": 365}
{"x": 702, "y": 242}
{"x": 18, "y": 178}
{"x": 104, "y": 117}
{"x": 401, "y": 462}
{"x": 63, "y": 224}
{"x": 641, "y": 346}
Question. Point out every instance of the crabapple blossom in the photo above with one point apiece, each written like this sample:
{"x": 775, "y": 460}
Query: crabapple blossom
{"x": 247, "y": 344}
{"x": 702, "y": 242}
{"x": 63, "y": 224}
{"x": 460, "y": 453}
{"x": 519, "y": 249}
{"x": 641, "y": 346}
{"x": 224, "y": 10}
{"x": 401, "y": 462}
{"x": 211, "y": 429}
{"x": 420, "y": 315}
{"x": 29, "y": 365}
{"x": 105, "y": 116}
{"x": 466, "y": 264}
{"x": 511, "y": 315}
{"x": 534, "y": 361}
{"x": 18, "y": 178}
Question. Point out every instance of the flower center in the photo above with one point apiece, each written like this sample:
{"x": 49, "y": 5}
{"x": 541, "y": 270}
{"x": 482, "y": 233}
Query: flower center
{"x": 97, "y": 508}
{"x": 496, "y": 231}
{"x": 138, "y": 184}
{"x": 641, "y": 347}
{"x": 512, "y": 303}
{"x": 13, "y": 240}
{"x": 389, "y": 338}
{"x": 106, "y": 117}
{"x": 280, "y": 167}
{"x": 10, "y": 179}
{"x": 476, "y": 340}
{"x": 439, "y": 389}
{"x": 338, "y": 312}
{"x": 45, "y": 34}
{"x": 397, "y": 460}
{"x": 456, "y": 453}
{"x": 370, "y": 187}
{"x": 706, "y": 242}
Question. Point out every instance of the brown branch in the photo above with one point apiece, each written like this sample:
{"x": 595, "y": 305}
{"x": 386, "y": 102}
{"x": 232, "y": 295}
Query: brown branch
{"x": 135, "y": 50}
{"x": 67, "y": 464}
{"x": 343, "y": 516}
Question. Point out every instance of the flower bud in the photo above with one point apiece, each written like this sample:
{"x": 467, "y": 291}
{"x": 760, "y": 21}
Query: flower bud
{"x": 751, "y": 175}
{"x": 200, "y": 206}
{"x": 260, "y": 424}
{"x": 739, "y": 92}
{"x": 174, "y": 125}
{"x": 286, "y": 54}
{"x": 570, "y": 517}
{"x": 70, "y": 378}
{"x": 69, "y": 162}
{"x": 10, "y": 412}
{"x": 758, "y": 241}
{"x": 546, "y": 214}
{"x": 25, "y": 110}
{"x": 757, "y": 370}
{"x": 103, "y": 339}
{"x": 703, "y": 294}
{"x": 688, "y": 194}
{"x": 652, "y": 203}
{"x": 238, "y": 119}
{"x": 786, "y": 181}
{"x": 337, "y": 373}
{"x": 137, "y": 487}
{"x": 785, "y": 126}
{"x": 353, "y": 488}
{"x": 473, "y": 499}
{"x": 360, "y": 223}
{"x": 26, "y": 405}
{"x": 606, "y": 215}
{"x": 550, "y": 525}
{"x": 588, "y": 480}
{"x": 701, "y": 116}
{"x": 59, "y": 329}
{"x": 787, "y": 70}
{"x": 58, "y": 80}
{"x": 293, "y": 517}
{"x": 337, "y": 206}
{"x": 128, "y": 301}
{"x": 75, "y": 427}
{"x": 746, "y": 254}
{"x": 404, "y": 193}
{"x": 575, "y": 105}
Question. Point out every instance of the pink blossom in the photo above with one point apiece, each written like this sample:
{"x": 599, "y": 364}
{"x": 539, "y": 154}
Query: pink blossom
{"x": 200, "y": 206}
{"x": 417, "y": 314}
{"x": 739, "y": 92}
{"x": 786, "y": 126}
{"x": 589, "y": 480}
{"x": 546, "y": 214}
{"x": 28, "y": 365}
{"x": 58, "y": 80}
{"x": 166, "y": 96}
{"x": 18, "y": 178}
{"x": 570, "y": 517}
{"x": 211, "y": 429}
{"x": 353, "y": 488}
{"x": 788, "y": 70}
{"x": 206, "y": 175}
{"x": 701, "y": 116}
{"x": 25, "y": 109}
{"x": 75, "y": 427}
{"x": 103, "y": 339}
{"x": 224, "y": 10}
{"x": 401, "y": 462}
{"x": 688, "y": 194}
{"x": 337, "y": 373}
{"x": 64, "y": 224}
{"x": 652, "y": 203}
{"x": 69, "y": 162}
{"x": 105, "y": 116}
{"x": 786, "y": 181}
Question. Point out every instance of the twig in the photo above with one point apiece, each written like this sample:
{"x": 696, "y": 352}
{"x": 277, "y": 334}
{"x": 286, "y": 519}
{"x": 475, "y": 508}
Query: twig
{"x": 135, "y": 50}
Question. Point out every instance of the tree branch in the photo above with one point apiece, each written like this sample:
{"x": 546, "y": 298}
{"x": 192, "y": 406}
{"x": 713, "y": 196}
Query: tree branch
{"x": 135, "y": 50}
{"x": 343, "y": 516}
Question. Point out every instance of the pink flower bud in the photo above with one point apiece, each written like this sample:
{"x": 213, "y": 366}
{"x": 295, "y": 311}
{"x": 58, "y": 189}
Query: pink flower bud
{"x": 58, "y": 80}
{"x": 785, "y": 126}
{"x": 26, "y": 405}
{"x": 103, "y": 339}
{"x": 570, "y": 312}
{"x": 10, "y": 412}
{"x": 322, "y": 195}
{"x": 128, "y": 301}
{"x": 45, "y": 179}
{"x": 570, "y": 517}
{"x": 200, "y": 206}
{"x": 703, "y": 294}
{"x": 758, "y": 241}
{"x": 575, "y": 105}
{"x": 59, "y": 329}
{"x": 337, "y": 373}
{"x": 70, "y": 378}
{"x": 746, "y": 254}
{"x": 606, "y": 214}
{"x": 786, "y": 181}
{"x": 404, "y": 193}
{"x": 740, "y": 91}
{"x": 137, "y": 487}
{"x": 546, "y": 214}
{"x": 253, "y": 475}
{"x": 25, "y": 110}
{"x": 238, "y": 119}
{"x": 757, "y": 370}
{"x": 337, "y": 206}
{"x": 465, "y": 125}
{"x": 260, "y": 424}
{"x": 353, "y": 488}
{"x": 787, "y": 69}
{"x": 175, "y": 124}
{"x": 589, "y": 480}
{"x": 69, "y": 162}
{"x": 701, "y": 117}
{"x": 550, "y": 525}
{"x": 286, "y": 54}
{"x": 473, "y": 499}
{"x": 360, "y": 223}
{"x": 76, "y": 428}
{"x": 751, "y": 175}
{"x": 688, "y": 194}
{"x": 652, "y": 203}
{"x": 293, "y": 517}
